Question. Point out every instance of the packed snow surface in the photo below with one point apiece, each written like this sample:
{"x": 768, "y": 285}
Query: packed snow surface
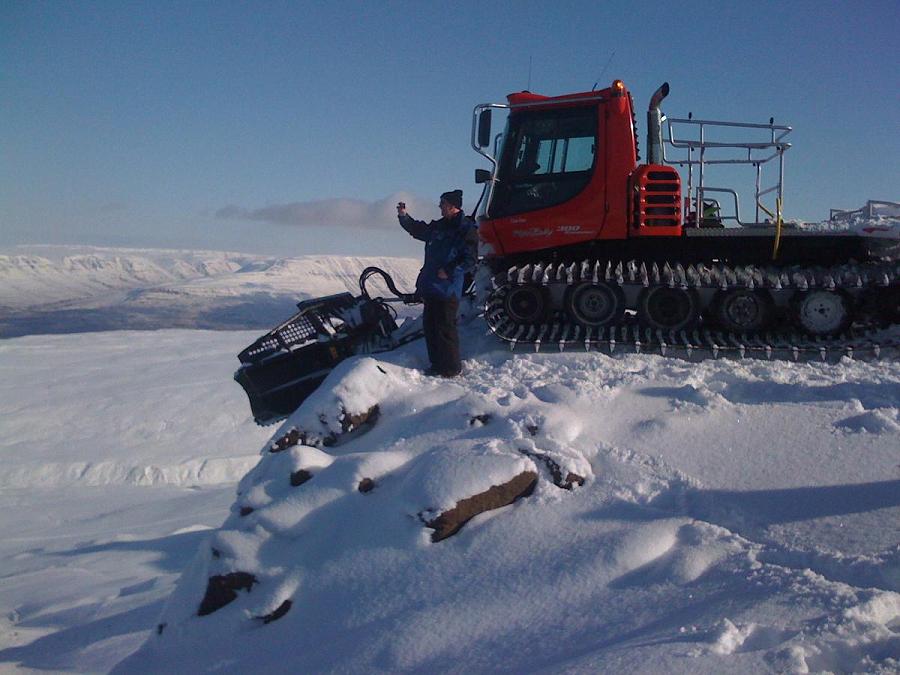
{"x": 735, "y": 516}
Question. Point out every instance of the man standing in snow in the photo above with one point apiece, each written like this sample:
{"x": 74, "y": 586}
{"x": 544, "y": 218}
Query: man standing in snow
{"x": 450, "y": 246}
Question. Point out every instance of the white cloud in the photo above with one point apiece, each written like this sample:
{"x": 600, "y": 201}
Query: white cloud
{"x": 336, "y": 212}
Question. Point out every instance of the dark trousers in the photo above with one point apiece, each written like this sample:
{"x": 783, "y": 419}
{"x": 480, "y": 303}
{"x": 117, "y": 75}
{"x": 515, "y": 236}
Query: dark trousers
{"x": 441, "y": 336}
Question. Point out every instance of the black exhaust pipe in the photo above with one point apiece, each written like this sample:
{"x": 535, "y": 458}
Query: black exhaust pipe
{"x": 654, "y": 125}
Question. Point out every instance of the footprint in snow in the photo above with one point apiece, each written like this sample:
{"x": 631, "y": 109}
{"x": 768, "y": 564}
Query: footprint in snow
{"x": 873, "y": 422}
{"x": 684, "y": 394}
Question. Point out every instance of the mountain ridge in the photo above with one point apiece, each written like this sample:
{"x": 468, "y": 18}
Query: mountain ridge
{"x": 114, "y": 289}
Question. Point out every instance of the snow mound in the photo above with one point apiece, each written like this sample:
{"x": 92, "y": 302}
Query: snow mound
{"x": 329, "y": 559}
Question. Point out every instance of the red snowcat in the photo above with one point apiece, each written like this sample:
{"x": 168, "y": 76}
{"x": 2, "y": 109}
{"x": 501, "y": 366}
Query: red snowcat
{"x": 582, "y": 245}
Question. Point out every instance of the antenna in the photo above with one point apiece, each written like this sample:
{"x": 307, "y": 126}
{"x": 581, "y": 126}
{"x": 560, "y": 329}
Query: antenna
{"x": 600, "y": 76}
{"x": 530, "y": 63}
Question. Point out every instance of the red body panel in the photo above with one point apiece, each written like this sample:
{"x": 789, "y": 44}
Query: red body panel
{"x": 600, "y": 210}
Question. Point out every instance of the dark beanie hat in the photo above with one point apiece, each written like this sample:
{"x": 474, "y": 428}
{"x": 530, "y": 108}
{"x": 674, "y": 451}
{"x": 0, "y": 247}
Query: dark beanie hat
{"x": 453, "y": 197}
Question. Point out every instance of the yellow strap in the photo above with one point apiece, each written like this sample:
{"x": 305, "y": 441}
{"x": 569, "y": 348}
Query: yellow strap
{"x": 777, "y": 227}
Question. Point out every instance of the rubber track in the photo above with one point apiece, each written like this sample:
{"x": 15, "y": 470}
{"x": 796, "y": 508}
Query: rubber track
{"x": 696, "y": 343}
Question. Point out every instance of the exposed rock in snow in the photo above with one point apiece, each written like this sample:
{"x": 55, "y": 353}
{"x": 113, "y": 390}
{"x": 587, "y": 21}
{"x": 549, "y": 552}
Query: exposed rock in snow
{"x": 222, "y": 589}
{"x": 449, "y": 522}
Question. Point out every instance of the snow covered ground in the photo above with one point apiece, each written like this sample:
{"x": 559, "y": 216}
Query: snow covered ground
{"x": 734, "y": 517}
{"x": 116, "y": 451}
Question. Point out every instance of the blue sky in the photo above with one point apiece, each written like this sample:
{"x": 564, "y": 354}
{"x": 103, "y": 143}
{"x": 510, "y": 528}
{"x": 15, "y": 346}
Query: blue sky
{"x": 236, "y": 124}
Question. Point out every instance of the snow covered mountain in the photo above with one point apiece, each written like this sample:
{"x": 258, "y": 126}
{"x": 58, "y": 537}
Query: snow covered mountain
{"x": 62, "y": 274}
{"x": 66, "y": 290}
{"x": 574, "y": 512}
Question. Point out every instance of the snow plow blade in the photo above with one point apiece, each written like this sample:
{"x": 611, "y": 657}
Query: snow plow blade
{"x": 283, "y": 367}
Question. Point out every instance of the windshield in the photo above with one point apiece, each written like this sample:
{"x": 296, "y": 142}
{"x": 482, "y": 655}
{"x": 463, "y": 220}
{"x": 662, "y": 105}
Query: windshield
{"x": 547, "y": 158}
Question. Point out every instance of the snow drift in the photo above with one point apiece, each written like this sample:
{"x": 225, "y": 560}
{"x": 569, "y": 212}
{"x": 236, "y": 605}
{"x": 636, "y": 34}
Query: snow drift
{"x": 680, "y": 548}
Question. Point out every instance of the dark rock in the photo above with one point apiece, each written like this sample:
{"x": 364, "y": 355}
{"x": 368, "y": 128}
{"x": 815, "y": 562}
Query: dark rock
{"x": 571, "y": 479}
{"x": 366, "y": 485}
{"x": 279, "y": 612}
{"x": 449, "y": 522}
{"x": 246, "y": 510}
{"x": 298, "y": 478}
{"x": 291, "y": 438}
{"x": 484, "y": 418}
{"x": 222, "y": 588}
{"x": 351, "y": 421}
{"x": 533, "y": 429}
{"x": 160, "y": 627}
{"x": 352, "y": 425}
{"x": 216, "y": 553}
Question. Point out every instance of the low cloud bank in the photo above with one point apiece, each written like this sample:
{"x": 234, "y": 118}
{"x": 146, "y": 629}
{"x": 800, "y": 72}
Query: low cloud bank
{"x": 335, "y": 212}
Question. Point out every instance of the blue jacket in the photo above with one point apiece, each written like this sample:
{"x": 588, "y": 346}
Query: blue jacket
{"x": 451, "y": 245}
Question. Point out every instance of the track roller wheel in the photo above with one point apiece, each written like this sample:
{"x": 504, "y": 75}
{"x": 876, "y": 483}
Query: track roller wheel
{"x": 821, "y": 312}
{"x": 595, "y": 304}
{"x": 742, "y": 310}
{"x": 526, "y": 304}
{"x": 668, "y": 308}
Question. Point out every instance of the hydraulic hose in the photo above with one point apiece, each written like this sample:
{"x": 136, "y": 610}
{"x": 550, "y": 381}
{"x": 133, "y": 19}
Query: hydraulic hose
{"x": 408, "y": 298}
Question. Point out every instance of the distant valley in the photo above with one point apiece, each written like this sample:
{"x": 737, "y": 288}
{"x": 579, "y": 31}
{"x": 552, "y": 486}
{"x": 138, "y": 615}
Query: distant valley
{"x": 80, "y": 289}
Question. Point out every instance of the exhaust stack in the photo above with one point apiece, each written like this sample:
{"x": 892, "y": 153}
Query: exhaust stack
{"x": 654, "y": 125}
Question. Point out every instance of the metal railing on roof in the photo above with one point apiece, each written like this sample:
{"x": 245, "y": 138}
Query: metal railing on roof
{"x": 700, "y": 152}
